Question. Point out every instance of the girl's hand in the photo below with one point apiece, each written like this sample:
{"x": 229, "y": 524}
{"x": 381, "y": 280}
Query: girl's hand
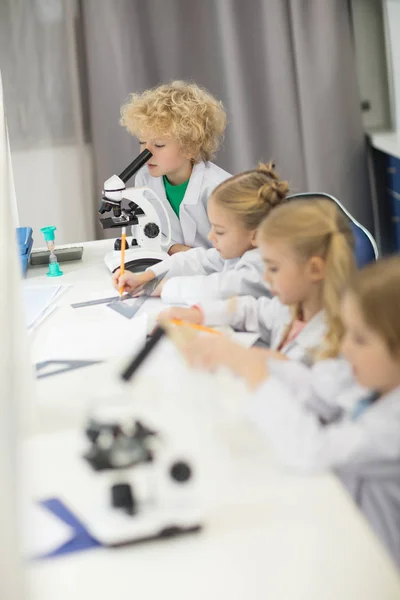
{"x": 191, "y": 315}
{"x": 211, "y": 352}
{"x": 275, "y": 354}
{"x": 131, "y": 282}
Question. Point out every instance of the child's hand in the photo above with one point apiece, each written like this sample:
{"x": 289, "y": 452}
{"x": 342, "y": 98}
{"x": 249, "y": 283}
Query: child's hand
{"x": 210, "y": 353}
{"x": 275, "y": 354}
{"x": 130, "y": 282}
{"x": 192, "y": 315}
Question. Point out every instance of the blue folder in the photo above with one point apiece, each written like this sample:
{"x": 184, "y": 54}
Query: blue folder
{"x": 25, "y": 243}
{"x": 82, "y": 540}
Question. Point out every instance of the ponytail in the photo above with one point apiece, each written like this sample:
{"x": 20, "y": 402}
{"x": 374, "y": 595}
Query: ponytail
{"x": 339, "y": 269}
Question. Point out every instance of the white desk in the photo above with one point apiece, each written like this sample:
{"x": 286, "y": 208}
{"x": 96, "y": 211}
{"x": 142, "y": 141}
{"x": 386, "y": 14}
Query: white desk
{"x": 268, "y": 534}
{"x": 90, "y": 268}
{"x": 386, "y": 141}
{"x": 60, "y": 400}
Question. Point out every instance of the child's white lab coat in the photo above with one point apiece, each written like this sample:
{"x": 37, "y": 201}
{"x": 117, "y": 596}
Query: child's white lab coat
{"x": 201, "y": 274}
{"x": 270, "y": 318}
{"x": 308, "y": 418}
{"x": 192, "y": 227}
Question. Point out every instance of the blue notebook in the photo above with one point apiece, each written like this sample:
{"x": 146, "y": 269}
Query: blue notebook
{"x": 82, "y": 540}
{"x": 25, "y": 242}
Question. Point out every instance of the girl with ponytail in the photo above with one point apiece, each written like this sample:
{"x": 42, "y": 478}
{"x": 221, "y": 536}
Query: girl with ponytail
{"x": 236, "y": 208}
{"x": 307, "y": 249}
{"x": 342, "y": 413}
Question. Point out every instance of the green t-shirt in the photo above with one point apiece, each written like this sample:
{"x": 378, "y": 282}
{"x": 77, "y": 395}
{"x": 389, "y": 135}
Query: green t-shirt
{"x": 175, "y": 194}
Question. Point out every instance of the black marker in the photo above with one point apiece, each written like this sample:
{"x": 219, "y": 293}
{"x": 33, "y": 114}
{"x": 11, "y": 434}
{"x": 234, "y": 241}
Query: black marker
{"x": 143, "y": 354}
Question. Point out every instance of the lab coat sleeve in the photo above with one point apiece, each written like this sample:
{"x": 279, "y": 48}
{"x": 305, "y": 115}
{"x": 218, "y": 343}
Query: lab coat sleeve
{"x": 242, "y": 313}
{"x": 194, "y": 262}
{"x": 220, "y": 285}
{"x": 281, "y": 410}
{"x": 166, "y": 247}
{"x": 176, "y": 238}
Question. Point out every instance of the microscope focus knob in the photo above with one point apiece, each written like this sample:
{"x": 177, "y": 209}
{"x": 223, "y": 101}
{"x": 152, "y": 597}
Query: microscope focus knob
{"x": 118, "y": 245}
{"x": 151, "y": 230}
{"x": 180, "y": 472}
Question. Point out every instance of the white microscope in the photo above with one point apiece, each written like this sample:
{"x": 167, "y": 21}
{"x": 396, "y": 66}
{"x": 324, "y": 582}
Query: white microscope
{"x": 147, "y": 246}
{"x": 147, "y": 484}
{"x": 146, "y": 489}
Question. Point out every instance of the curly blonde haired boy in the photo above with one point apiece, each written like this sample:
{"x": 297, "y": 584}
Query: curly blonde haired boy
{"x": 182, "y": 125}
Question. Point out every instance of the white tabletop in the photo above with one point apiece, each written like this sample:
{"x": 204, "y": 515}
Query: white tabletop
{"x": 386, "y": 141}
{"x": 268, "y": 534}
{"x": 91, "y": 265}
{"x": 60, "y": 399}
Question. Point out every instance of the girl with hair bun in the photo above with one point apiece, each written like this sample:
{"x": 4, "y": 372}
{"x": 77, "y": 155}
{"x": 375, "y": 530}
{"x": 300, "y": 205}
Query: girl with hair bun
{"x": 233, "y": 267}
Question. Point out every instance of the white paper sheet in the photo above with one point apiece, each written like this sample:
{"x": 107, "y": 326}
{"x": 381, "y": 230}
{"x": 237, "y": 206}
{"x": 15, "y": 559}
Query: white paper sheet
{"x": 92, "y": 333}
{"x": 38, "y": 302}
{"x": 44, "y": 532}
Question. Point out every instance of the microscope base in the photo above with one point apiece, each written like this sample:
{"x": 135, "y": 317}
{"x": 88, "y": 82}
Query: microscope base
{"x": 112, "y": 527}
{"x": 136, "y": 260}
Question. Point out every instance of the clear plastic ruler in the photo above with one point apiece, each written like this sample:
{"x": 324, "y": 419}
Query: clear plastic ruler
{"x": 129, "y": 309}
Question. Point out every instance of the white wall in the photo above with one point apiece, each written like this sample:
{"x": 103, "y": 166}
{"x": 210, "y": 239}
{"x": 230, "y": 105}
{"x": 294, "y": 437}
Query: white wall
{"x": 393, "y": 26}
{"x": 369, "y": 40}
{"x": 53, "y": 187}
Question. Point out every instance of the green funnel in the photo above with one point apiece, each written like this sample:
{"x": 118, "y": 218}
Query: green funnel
{"x": 48, "y": 233}
{"x": 54, "y": 270}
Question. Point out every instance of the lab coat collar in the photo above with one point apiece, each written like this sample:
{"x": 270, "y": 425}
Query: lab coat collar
{"x": 312, "y": 334}
{"x": 191, "y": 198}
{"x": 195, "y": 184}
{"x": 231, "y": 262}
{"x": 392, "y": 398}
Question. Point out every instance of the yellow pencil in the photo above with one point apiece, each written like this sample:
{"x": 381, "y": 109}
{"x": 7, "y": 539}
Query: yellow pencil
{"x": 181, "y": 323}
{"x": 122, "y": 269}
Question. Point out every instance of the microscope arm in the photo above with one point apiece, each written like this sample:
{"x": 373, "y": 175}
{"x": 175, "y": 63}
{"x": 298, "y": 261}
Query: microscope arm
{"x": 115, "y": 185}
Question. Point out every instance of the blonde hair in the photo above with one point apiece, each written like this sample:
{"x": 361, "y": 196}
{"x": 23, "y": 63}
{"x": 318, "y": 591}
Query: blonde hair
{"x": 376, "y": 289}
{"x": 181, "y": 110}
{"x": 317, "y": 227}
{"x": 252, "y": 194}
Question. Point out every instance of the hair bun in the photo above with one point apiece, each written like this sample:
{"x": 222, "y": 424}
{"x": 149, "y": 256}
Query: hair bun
{"x": 273, "y": 192}
{"x": 268, "y": 169}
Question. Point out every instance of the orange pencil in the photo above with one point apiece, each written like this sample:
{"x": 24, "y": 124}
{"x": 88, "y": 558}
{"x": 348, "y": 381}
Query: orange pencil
{"x": 181, "y": 323}
{"x": 122, "y": 269}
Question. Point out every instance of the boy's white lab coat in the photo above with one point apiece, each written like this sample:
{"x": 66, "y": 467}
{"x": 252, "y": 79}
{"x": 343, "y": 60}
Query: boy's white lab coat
{"x": 270, "y": 318}
{"x": 201, "y": 274}
{"x": 192, "y": 227}
{"x": 307, "y": 416}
